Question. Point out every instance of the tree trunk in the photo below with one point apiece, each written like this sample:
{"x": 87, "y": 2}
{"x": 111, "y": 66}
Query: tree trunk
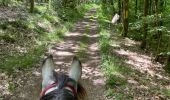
{"x": 150, "y": 7}
{"x": 49, "y": 4}
{"x": 157, "y": 24}
{"x": 111, "y": 2}
{"x": 161, "y": 10}
{"x": 104, "y": 2}
{"x": 136, "y": 7}
{"x": 140, "y": 5}
{"x": 31, "y": 6}
{"x": 145, "y": 24}
{"x": 120, "y": 10}
{"x": 167, "y": 67}
{"x": 125, "y": 17}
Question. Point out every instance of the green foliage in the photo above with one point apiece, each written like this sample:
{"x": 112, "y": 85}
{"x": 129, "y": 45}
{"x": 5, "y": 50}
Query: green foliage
{"x": 12, "y": 87}
{"x": 110, "y": 64}
{"x": 9, "y": 2}
{"x": 7, "y": 38}
{"x": 40, "y": 9}
{"x": 52, "y": 19}
{"x": 68, "y": 14}
{"x": 32, "y": 33}
{"x": 22, "y": 61}
{"x": 58, "y": 4}
{"x": 104, "y": 42}
{"x": 5, "y": 2}
{"x": 116, "y": 72}
{"x": 82, "y": 51}
{"x": 70, "y": 11}
{"x": 166, "y": 92}
{"x": 83, "y": 47}
{"x": 30, "y": 58}
{"x": 156, "y": 34}
{"x": 66, "y": 10}
{"x": 108, "y": 10}
{"x": 57, "y": 34}
{"x": 72, "y": 15}
{"x": 85, "y": 7}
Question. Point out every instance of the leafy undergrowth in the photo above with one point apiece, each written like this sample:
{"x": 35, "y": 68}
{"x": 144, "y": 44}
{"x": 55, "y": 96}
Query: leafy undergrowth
{"x": 23, "y": 40}
{"x": 130, "y": 73}
{"x": 25, "y": 37}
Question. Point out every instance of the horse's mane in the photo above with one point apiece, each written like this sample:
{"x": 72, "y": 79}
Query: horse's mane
{"x": 81, "y": 92}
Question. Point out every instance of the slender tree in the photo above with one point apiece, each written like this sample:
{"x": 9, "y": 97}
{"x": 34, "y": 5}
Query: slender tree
{"x": 111, "y": 2}
{"x": 161, "y": 8}
{"x": 31, "y": 6}
{"x": 167, "y": 67}
{"x": 104, "y": 1}
{"x": 125, "y": 17}
{"x": 150, "y": 7}
{"x": 145, "y": 24}
{"x": 120, "y": 9}
{"x": 49, "y": 4}
{"x": 136, "y": 7}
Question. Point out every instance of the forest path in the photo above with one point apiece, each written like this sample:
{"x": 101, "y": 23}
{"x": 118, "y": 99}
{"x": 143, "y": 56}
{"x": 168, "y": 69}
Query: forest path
{"x": 82, "y": 41}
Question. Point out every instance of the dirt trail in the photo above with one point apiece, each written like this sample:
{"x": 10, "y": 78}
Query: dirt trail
{"x": 92, "y": 78}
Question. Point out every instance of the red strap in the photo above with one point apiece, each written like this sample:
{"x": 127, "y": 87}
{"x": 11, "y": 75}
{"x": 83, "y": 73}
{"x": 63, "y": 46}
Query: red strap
{"x": 54, "y": 85}
{"x": 72, "y": 89}
{"x": 48, "y": 87}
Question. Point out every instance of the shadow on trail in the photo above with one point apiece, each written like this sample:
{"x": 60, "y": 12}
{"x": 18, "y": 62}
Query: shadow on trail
{"x": 145, "y": 78}
{"x": 82, "y": 41}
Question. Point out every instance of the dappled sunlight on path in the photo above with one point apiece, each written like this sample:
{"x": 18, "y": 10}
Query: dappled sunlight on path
{"x": 84, "y": 33}
{"x": 137, "y": 58}
{"x": 81, "y": 41}
{"x": 147, "y": 75}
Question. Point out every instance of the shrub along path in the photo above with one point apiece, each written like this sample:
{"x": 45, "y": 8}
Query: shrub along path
{"x": 81, "y": 41}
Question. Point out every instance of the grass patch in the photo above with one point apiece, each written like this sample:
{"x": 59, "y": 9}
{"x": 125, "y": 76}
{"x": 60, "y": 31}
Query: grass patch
{"x": 112, "y": 68}
{"x": 22, "y": 61}
{"x": 32, "y": 33}
{"x": 114, "y": 71}
{"x": 166, "y": 92}
{"x": 82, "y": 51}
{"x": 83, "y": 45}
{"x": 12, "y": 87}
